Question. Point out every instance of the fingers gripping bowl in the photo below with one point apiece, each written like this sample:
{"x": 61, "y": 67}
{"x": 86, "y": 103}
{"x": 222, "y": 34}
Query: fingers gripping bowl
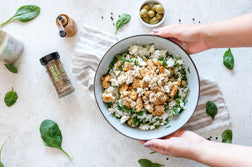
{"x": 159, "y": 67}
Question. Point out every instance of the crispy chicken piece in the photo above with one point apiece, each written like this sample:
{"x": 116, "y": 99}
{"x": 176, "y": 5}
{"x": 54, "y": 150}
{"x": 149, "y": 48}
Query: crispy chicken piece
{"x": 125, "y": 94}
{"x": 173, "y": 91}
{"x": 127, "y": 102}
{"x": 160, "y": 98}
{"x": 118, "y": 64}
{"x": 123, "y": 88}
{"x": 159, "y": 110}
{"x": 136, "y": 83}
{"x": 105, "y": 81}
{"x": 139, "y": 105}
{"x": 149, "y": 107}
{"x": 108, "y": 97}
{"x": 161, "y": 70}
{"x": 128, "y": 66}
{"x": 133, "y": 95}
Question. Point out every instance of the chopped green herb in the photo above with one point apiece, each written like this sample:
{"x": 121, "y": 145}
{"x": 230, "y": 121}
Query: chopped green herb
{"x": 135, "y": 121}
{"x": 119, "y": 96}
{"x": 188, "y": 69}
{"x": 153, "y": 152}
{"x": 176, "y": 111}
{"x": 168, "y": 126}
{"x": 109, "y": 104}
{"x": 140, "y": 113}
{"x": 163, "y": 61}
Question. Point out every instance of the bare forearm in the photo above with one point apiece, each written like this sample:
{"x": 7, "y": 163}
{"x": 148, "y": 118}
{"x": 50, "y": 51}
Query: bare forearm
{"x": 222, "y": 154}
{"x": 235, "y": 32}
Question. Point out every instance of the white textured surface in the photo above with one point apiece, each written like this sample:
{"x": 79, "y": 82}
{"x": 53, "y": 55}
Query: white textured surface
{"x": 87, "y": 136}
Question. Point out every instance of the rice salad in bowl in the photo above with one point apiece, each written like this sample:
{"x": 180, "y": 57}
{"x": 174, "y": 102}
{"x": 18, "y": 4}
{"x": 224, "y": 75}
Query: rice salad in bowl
{"x": 145, "y": 87}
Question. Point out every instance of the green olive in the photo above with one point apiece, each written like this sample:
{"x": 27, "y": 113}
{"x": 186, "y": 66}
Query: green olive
{"x": 159, "y": 9}
{"x": 184, "y": 83}
{"x": 146, "y": 6}
{"x": 151, "y": 13}
{"x": 154, "y": 7}
{"x": 159, "y": 16}
{"x": 130, "y": 122}
{"x": 143, "y": 13}
{"x": 154, "y": 20}
{"x": 171, "y": 69}
{"x": 146, "y": 19}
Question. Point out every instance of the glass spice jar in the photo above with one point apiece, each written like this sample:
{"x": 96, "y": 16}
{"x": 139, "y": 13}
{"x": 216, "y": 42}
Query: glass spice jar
{"x": 57, "y": 74}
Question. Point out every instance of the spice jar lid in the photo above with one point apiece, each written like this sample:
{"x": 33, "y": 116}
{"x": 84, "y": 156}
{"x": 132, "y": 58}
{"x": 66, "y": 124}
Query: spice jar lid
{"x": 52, "y": 56}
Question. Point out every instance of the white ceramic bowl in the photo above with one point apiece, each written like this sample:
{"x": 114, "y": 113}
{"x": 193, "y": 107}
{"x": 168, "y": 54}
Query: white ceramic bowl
{"x": 147, "y": 24}
{"x": 176, "y": 51}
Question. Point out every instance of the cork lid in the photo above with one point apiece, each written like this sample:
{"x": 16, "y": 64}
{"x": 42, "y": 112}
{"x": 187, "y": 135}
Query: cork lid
{"x": 52, "y": 56}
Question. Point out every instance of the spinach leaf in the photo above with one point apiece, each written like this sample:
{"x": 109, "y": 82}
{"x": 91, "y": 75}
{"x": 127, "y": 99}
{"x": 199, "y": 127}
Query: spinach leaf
{"x": 211, "y": 109}
{"x": 10, "y": 98}
{"x": 228, "y": 59}
{"x": 140, "y": 113}
{"x": 123, "y": 19}
{"x": 148, "y": 163}
{"x": 1, "y": 164}
{"x": 227, "y": 136}
{"x": 25, "y": 14}
{"x": 11, "y": 68}
{"x": 51, "y": 135}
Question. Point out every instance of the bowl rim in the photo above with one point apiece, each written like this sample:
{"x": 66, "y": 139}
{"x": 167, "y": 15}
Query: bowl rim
{"x": 139, "y": 35}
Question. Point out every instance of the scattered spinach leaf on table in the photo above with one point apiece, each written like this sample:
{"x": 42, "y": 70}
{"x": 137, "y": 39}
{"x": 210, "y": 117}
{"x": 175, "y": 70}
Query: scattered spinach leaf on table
{"x": 211, "y": 109}
{"x": 10, "y": 98}
{"x": 11, "y": 68}
{"x": 148, "y": 163}
{"x": 51, "y": 135}
{"x": 123, "y": 19}
{"x": 1, "y": 164}
{"x": 228, "y": 59}
{"x": 227, "y": 136}
{"x": 25, "y": 14}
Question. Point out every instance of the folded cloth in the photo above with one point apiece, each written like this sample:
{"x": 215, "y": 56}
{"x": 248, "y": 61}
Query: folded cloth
{"x": 91, "y": 46}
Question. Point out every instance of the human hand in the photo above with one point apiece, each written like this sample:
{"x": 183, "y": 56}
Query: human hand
{"x": 191, "y": 37}
{"x": 181, "y": 143}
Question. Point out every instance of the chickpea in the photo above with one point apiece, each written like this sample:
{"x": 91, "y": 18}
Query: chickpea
{"x": 151, "y": 13}
{"x": 159, "y": 16}
{"x": 154, "y": 20}
{"x": 146, "y": 19}
{"x": 159, "y": 9}
{"x": 143, "y": 13}
{"x": 146, "y": 6}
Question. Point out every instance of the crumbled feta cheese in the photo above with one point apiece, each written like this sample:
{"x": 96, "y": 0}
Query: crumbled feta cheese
{"x": 170, "y": 62}
{"x": 114, "y": 82}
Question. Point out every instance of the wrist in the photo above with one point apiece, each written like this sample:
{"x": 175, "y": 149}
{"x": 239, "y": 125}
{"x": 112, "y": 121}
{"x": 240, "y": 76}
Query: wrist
{"x": 208, "y": 34}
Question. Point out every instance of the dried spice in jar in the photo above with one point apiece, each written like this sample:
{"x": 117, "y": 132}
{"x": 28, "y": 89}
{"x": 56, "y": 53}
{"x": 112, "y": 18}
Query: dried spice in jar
{"x": 57, "y": 74}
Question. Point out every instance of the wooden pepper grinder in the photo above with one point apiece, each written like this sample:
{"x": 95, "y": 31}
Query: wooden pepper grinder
{"x": 66, "y": 25}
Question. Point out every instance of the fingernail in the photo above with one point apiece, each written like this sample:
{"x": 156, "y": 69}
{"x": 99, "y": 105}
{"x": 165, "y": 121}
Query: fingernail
{"x": 155, "y": 31}
{"x": 147, "y": 144}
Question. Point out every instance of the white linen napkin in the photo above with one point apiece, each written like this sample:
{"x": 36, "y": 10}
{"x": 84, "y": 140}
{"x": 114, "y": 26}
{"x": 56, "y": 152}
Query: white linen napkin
{"x": 91, "y": 46}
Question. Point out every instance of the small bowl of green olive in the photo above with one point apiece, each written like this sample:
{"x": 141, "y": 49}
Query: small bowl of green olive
{"x": 152, "y": 13}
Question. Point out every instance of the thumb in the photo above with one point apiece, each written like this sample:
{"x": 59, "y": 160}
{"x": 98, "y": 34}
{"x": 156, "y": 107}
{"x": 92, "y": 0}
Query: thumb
{"x": 167, "y": 31}
{"x": 159, "y": 145}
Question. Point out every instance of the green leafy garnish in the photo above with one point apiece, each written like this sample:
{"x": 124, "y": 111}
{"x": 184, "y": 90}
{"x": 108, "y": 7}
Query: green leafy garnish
{"x": 10, "y": 98}
{"x": 168, "y": 126}
{"x": 162, "y": 59}
{"x": 11, "y": 68}
{"x": 1, "y": 164}
{"x": 123, "y": 19}
{"x": 211, "y": 109}
{"x": 227, "y": 136}
{"x": 109, "y": 104}
{"x": 51, "y": 135}
{"x": 228, "y": 59}
{"x": 135, "y": 121}
{"x": 176, "y": 111}
{"x": 25, "y": 14}
{"x": 188, "y": 69}
{"x": 140, "y": 113}
{"x": 148, "y": 163}
{"x": 153, "y": 152}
